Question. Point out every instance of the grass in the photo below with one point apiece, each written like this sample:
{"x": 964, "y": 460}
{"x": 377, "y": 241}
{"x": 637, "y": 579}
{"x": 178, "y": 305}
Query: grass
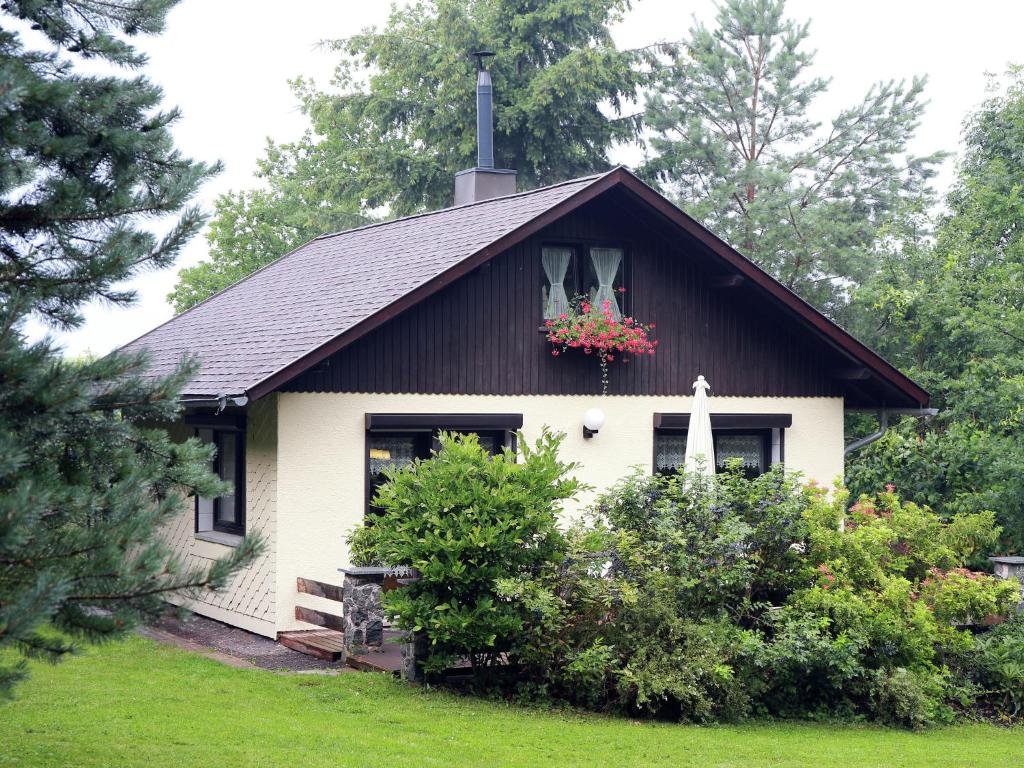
{"x": 138, "y": 703}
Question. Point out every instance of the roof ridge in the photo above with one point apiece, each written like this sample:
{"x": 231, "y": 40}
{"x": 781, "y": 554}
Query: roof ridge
{"x": 423, "y": 214}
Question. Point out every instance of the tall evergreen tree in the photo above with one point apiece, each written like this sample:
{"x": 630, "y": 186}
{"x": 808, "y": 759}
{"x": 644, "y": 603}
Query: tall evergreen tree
{"x": 733, "y": 142}
{"x": 86, "y": 481}
{"x": 399, "y": 122}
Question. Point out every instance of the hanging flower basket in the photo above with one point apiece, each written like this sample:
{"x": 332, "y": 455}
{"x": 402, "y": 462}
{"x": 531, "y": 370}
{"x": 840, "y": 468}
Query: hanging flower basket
{"x": 597, "y": 332}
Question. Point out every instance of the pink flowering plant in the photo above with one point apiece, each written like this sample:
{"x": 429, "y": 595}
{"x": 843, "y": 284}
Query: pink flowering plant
{"x": 596, "y": 331}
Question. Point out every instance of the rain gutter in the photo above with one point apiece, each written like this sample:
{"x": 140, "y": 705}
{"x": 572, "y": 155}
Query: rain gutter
{"x": 220, "y": 402}
{"x": 883, "y": 425}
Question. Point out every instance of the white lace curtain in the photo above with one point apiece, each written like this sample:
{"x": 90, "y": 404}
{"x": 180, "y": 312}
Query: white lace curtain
{"x": 556, "y": 264}
{"x": 606, "y": 266}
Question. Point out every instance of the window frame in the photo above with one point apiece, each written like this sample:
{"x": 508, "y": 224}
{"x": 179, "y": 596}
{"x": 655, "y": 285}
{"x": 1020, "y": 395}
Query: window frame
{"x": 219, "y": 428}
{"x": 429, "y": 425}
{"x": 761, "y": 424}
{"x": 580, "y": 246}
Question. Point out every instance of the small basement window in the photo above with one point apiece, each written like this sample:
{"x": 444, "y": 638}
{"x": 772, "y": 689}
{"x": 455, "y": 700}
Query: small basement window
{"x": 395, "y": 441}
{"x": 224, "y": 514}
{"x": 593, "y": 272}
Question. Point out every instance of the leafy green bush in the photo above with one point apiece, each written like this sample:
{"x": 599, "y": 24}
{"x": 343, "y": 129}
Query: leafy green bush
{"x": 467, "y": 521}
{"x": 913, "y": 699}
{"x": 997, "y": 666}
{"x": 885, "y": 592}
{"x": 698, "y": 599}
{"x": 761, "y": 596}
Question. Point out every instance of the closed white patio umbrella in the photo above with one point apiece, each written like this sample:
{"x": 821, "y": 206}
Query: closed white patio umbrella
{"x": 700, "y": 446}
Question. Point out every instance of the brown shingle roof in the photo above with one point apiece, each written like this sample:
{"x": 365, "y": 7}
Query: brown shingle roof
{"x": 294, "y": 305}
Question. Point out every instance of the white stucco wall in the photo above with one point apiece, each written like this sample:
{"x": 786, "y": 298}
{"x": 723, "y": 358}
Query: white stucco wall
{"x": 248, "y": 601}
{"x": 321, "y": 461}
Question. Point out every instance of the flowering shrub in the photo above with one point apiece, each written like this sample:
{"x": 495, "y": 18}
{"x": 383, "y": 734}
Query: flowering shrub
{"x": 695, "y": 600}
{"x": 708, "y": 602}
{"x": 597, "y": 332}
{"x": 962, "y": 596}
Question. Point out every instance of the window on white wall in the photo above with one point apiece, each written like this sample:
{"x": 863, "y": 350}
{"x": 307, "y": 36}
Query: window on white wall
{"x": 757, "y": 440}
{"x": 395, "y": 440}
{"x": 224, "y": 514}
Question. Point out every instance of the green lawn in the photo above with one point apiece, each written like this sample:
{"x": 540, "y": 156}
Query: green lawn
{"x": 141, "y": 704}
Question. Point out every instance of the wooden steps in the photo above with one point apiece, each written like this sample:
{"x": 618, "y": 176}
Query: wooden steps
{"x": 326, "y": 644}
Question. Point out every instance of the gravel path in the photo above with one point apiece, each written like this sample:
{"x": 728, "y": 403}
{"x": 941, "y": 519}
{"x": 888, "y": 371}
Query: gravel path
{"x": 234, "y": 646}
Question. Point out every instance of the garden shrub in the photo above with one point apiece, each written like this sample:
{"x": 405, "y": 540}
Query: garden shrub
{"x": 899, "y": 696}
{"x": 765, "y": 597}
{"x": 996, "y": 665}
{"x": 885, "y": 590}
{"x": 466, "y": 521}
{"x": 700, "y": 599}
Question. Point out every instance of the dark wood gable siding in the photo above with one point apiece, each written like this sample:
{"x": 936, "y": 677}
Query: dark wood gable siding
{"x": 480, "y": 335}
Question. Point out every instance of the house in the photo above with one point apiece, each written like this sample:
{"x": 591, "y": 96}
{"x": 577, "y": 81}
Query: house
{"x": 350, "y": 353}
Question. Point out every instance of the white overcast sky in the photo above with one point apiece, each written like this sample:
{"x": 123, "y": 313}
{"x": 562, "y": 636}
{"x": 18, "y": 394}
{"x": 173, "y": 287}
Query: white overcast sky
{"x": 226, "y": 64}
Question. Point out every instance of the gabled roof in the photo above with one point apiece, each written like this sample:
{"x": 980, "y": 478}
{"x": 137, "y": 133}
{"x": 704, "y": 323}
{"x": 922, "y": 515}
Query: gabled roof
{"x": 262, "y": 331}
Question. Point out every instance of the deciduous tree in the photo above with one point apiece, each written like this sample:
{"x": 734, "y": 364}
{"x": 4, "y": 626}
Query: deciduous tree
{"x": 951, "y": 311}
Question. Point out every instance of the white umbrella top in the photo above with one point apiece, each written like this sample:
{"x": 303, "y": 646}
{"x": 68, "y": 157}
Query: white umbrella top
{"x": 700, "y": 446}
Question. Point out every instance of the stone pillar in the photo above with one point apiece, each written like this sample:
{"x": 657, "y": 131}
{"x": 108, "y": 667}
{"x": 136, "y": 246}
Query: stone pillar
{"x": 363, "y": 612}
{"x": 413, "y": 650}
{"x": 1010, "y": 567}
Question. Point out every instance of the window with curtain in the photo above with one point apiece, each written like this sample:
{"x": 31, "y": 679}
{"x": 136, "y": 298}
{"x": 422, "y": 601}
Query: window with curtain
{"x": 604, "y": 279}
{"x": 398, "y": 450}
{"x": 560, "y": 281}
{"x": 595, "y": 273}
{"x": 224, "y": 514}
{"x": 390, "y": 450}
{"x": 753, "y": 448}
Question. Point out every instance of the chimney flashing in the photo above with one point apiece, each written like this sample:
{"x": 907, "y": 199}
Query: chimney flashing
{"x": 475, "y": 184}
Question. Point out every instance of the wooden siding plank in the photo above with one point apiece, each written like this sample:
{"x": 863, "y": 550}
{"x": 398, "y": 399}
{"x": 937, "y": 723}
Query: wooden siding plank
{"x": 480, "y": 335}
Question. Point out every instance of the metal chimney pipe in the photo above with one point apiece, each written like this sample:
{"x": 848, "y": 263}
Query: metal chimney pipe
{"x": 484, "y": 113}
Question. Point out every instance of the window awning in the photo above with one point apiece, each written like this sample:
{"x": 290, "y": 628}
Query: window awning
{"x": 411, "y": 421}
{"x": 727, "y": 420}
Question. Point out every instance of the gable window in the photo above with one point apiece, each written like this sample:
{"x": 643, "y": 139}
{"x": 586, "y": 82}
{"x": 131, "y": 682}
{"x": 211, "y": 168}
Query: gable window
{"x": 395, "y": 440}
{"x": 226, "y": 513}
{"x": 757, "y": 440}
{"x": 593, "y": 272}
{"x": 560, "y": 283}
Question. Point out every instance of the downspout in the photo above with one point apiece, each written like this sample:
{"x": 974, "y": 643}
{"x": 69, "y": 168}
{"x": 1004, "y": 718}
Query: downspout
{"x": 883, "y": 425}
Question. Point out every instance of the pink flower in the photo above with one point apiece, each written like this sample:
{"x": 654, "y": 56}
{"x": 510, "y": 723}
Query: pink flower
{"x": 554, "y": 353}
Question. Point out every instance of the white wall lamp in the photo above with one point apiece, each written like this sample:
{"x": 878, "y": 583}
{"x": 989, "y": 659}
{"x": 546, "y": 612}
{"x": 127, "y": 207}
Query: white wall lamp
{"x": 593, "y": 420}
